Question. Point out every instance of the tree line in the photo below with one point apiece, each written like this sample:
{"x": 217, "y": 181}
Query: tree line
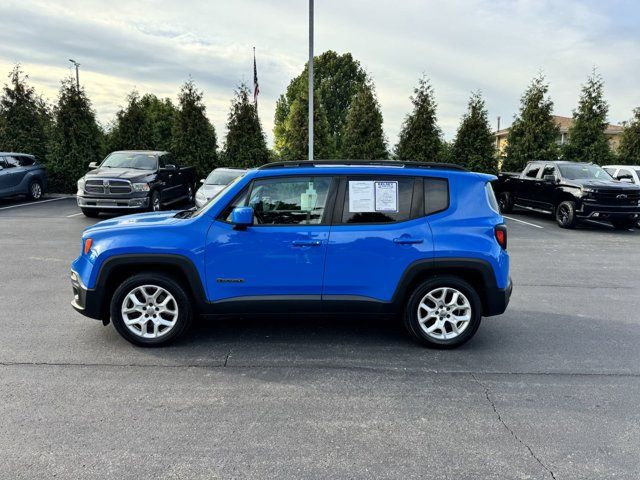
{"x": 348, "y": 124}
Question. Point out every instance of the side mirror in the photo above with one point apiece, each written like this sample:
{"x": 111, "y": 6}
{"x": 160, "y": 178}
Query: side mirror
{"x": 202, "y": 180}
{"x": 93, "y": 165}
{"x": 242, "y": 217}
{"x": 549, "y": 179}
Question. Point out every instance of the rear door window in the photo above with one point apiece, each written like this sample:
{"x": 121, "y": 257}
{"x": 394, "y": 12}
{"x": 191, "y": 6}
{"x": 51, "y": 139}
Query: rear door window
{"x": 377, "y": 199}
{"x": 532, "y": 170}
{"x": 25, "y": 161}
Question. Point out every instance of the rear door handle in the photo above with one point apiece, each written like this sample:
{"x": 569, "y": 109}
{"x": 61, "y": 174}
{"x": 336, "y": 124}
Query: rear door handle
{"x": 408, "y": 240}
{"x": 306, "y": 243}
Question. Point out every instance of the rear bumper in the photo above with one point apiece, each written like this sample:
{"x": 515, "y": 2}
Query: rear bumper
{"x": 85, "y": 301}
{"x": 497, "y": 300}
{"x": 134, "y": 203}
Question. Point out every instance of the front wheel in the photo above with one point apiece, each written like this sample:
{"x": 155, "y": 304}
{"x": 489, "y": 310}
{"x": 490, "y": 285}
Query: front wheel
{"x": 155, "y": 205}
{"x": 443, "y": 312}
{"x": 566, "y": 214}
{"x": 150, "y": 310}
{"x": 505, "y": 202}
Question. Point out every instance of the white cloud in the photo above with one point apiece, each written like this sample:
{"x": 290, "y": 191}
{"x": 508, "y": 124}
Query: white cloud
{"x": 496, "y": 46}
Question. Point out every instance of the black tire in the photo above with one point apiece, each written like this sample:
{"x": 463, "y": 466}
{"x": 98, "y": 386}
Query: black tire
{"x": 166, "y": 282}
{"x": 505, "y": 202}
{"x": 155, "y": 202}
{"x": 412, "y": 323}
{"x": 623, "y": 224}
{"x": 35, "y": 190}
{"x": 91, "y": 213}
{"x": 566, "y": 214}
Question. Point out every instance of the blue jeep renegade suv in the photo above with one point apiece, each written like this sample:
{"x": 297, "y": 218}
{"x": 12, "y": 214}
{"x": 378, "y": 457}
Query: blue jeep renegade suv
{"x": 423, "y": 241}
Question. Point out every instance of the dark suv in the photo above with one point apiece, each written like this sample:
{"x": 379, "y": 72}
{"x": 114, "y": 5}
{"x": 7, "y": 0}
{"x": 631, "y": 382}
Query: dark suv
{"x": 22, "y": 174}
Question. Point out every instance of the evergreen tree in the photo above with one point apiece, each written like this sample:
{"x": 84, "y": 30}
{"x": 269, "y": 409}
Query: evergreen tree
{"x": 194, "y": 140}
{"x": 24, "y": 117}
{"x": 629, "y": 149}
{"x": 146, "y": 123}
{"x": 587, "y": 141}
{"x": 296, "y": 132}
{"x": 337, "y": 79}
{"x": 76, "y": 138}
{"x": 534, "y": 132}
{"x": 245, "y": 145}
{"x": 363, "y": 137}
{"x": 474, "y": 145}
{"x": 420, "y": 136}
{"x": 128, "y": 131}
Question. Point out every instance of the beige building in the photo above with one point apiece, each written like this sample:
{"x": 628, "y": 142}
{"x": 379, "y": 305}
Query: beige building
{"x": 612, "y": 132}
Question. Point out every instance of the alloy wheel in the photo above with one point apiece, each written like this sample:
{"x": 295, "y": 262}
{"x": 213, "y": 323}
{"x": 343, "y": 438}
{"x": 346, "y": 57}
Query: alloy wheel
{"x": 36, "y": 191}
{"x": 149, "y": 311}
{"x": 444, "y": 313}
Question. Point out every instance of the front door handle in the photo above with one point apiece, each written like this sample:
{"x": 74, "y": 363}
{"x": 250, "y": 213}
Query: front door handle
{"x": 408, "y": 240}
{"x": 306, "y": 243}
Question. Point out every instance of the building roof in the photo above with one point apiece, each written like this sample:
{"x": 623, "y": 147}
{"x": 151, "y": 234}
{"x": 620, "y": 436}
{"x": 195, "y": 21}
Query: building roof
{"x": 565, "y": 123}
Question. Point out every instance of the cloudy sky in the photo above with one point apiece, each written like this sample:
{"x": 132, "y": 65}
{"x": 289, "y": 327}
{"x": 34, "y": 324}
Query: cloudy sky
{"x": 496, "y": 46}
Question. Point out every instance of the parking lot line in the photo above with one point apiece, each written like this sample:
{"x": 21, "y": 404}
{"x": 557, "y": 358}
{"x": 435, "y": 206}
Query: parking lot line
{"x": 522, "y": 221}
{"x": 74, "y": 214}
{"x": 38, "y": 202}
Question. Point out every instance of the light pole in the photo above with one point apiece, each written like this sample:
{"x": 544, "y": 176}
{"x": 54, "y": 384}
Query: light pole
{"x": 77, "y": 74}
{"x": 310, "y": 154}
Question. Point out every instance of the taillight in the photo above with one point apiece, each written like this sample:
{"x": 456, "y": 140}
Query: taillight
{"x": 501, "y": 235}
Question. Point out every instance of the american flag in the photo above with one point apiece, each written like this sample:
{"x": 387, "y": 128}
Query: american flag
{"x": 256, "y": 87}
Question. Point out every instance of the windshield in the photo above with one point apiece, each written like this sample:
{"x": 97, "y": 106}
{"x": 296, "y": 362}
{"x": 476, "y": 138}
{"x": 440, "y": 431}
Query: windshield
{"x": 136, "y": 161}
{"x": 218, "y": 177}
{"x": 581, "y": 171}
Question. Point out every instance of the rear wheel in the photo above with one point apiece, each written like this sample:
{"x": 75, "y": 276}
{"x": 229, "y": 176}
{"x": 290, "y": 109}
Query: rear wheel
{"x": 89, "y": 212}
{"x": 35, "y": 190}
{"x": 505, "y": 202}
{"x": 623, "y": 224}
{"x": 566, "y": 214}
{"x": 443, "y": 312}
{"x": 150, "y": 309}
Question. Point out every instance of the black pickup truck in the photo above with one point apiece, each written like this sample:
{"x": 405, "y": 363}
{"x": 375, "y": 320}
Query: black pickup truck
{"x": 135, "y": 180}
{"x": 571, "y": 191}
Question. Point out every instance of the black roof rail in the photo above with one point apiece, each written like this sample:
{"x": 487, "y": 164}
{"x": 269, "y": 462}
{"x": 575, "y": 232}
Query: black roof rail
{"x": 363, "y": 163}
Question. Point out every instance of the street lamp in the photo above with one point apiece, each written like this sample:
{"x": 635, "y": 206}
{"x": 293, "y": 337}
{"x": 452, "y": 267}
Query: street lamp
{"x": 310, "y": 154}
{"x": 77, "y": 74}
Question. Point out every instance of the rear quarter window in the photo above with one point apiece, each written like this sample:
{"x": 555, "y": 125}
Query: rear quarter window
{"x": 436, "y": 195}
{"x": 491, "y": 197}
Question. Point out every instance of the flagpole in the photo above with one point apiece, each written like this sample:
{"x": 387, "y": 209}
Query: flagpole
{"x": 310, "y": 154}
{"x": 255, "y": 76}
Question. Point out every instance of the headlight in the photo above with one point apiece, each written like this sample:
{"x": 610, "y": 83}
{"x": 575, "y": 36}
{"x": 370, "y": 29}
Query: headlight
{"x": 140, "y": 187}
{"x": 81, "y": 185}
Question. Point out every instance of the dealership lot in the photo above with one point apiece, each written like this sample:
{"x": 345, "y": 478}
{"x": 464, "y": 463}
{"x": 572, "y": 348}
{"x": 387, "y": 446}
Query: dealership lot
{"x": 548, "y": 390}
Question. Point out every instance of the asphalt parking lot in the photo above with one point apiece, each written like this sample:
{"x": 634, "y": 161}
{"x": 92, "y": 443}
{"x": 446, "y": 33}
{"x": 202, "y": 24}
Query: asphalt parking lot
{"x": 548, "y": 390}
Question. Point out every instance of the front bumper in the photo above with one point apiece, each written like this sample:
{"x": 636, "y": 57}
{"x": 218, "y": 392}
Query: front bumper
{"x": 85, "y": 301}
{"x": 596, "y": 210}
{"x": 497, "y": 300}
{"x": 134, "y": 203}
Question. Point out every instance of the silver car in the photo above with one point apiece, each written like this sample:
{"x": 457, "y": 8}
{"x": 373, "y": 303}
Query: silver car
{"x": 215, "y": 182}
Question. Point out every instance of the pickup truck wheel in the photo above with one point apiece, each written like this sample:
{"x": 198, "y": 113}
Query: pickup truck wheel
{"x": 89, "y": 212}
{"x": 35, "y": 190}
{"x": 155, "y": 205}
{"x": 443, "y": 312}
{"x": 150, "y": 310}
{"x": 566, "y": 214}
{"x": 505, "y": 202}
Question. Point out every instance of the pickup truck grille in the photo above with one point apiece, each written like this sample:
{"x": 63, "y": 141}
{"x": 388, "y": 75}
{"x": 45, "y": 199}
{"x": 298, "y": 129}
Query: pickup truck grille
{"x": 107, "y": 186}
{"x": 616, "y": 197}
